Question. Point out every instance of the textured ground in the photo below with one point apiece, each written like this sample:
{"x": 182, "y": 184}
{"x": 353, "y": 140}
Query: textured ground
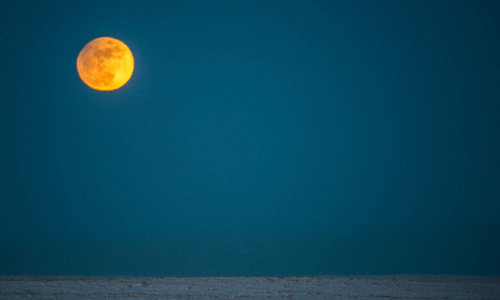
{"x": 324, "y": 287}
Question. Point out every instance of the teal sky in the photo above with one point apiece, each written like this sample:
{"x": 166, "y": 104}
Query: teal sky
{"x": 254, "y": 138}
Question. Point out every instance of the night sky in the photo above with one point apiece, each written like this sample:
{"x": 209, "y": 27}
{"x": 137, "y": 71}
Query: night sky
{"x": 254, "y": 138}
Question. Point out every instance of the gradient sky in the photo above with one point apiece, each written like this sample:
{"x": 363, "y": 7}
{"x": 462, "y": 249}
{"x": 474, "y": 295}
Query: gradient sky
{"x": 254, "y": 138}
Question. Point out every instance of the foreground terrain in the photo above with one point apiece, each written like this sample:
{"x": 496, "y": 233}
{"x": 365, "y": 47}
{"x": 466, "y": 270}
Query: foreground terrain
{"x": 366, "y": 287}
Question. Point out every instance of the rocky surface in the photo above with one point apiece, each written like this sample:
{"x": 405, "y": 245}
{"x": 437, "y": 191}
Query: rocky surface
{"x": 320, "y": 287}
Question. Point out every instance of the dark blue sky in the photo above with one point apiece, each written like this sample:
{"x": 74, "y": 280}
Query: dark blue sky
{"x": 254, "y": 138}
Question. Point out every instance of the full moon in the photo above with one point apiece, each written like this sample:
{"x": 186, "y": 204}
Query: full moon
{"x": 105, "y": 64}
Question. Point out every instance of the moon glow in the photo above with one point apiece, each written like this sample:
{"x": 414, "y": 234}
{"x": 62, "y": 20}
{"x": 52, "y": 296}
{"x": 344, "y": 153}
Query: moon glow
{"x": 105, "y": 64}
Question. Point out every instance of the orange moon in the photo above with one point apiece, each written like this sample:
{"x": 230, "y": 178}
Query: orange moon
{"x": 105, "y": 64}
